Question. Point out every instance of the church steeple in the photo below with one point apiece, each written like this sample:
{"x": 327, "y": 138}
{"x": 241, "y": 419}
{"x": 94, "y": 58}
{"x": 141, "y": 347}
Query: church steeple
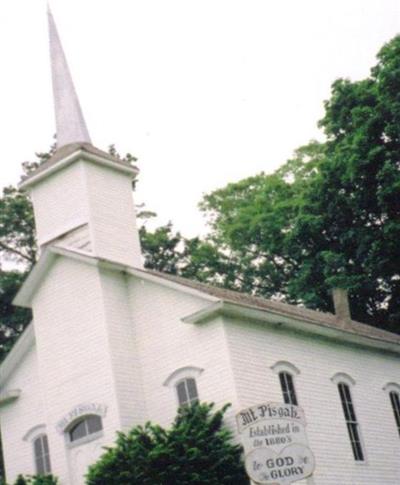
{"x": 70, "y": 123}
{"x": 82, "y": 196}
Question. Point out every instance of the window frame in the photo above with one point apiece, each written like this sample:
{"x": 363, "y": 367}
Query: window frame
{"x": 344, "y": 385}
{"x": 88, "y": 436}
{"x": 179, "y": 375}
{"x": 287, "y": 387}
{"x": 44, "y": 455}
{"x": 393, "y": 389}
{"x": 189, "y": 401}
{"x": 286, "y": 373}
{"x": 395, "y": 396}
{"x": 31, "y": 436}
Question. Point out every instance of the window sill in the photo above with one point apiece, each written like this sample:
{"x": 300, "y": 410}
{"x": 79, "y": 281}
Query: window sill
{"x": 361, "y": 463}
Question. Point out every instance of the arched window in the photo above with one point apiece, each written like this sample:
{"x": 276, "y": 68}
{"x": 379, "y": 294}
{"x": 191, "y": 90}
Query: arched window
{"x": 187, "y": 391}
{"x": 286, "y": 371}
{"x": 42, "y": 455}
{"x": 395, "y": 401}
{"x": 86, "y": 426}
{"x": 393, "y": 390}
{"x": 183, "y": 381}
{"x": 351, "y": 421}
{"x": 287, "y": 386}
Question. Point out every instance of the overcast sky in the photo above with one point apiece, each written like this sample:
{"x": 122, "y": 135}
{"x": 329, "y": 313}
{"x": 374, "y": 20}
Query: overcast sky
{"x": 203, "y": 92}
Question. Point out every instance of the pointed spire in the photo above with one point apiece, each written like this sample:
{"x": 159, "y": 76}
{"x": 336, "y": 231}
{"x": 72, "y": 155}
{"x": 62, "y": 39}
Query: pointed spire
{"x": 71, "y": 126}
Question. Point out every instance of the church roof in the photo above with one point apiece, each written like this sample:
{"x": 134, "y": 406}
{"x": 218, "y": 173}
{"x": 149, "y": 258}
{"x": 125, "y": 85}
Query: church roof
{"x": 247, "y": 307}
{"x": 71, "y": 152}
{"x": 312, "y": 319}
{"x": 86, "y": 147}
{"x": 312, "y": 316}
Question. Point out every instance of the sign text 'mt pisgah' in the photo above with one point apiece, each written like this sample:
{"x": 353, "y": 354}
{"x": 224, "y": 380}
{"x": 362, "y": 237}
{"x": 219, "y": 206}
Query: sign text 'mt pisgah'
{"x": 269, "y": 411}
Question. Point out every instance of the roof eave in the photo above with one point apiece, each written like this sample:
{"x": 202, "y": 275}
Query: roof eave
{"x": 9, "y": 396}
{"x": 79, "y": 154}
{"x": 29, "y": 286}
{"x": 277, "y": 319}
{"x": 24, "y": 296}
{"x": 14, "y": 357}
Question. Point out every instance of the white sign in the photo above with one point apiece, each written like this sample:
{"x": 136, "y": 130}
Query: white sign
{"x": 275, "y": 443}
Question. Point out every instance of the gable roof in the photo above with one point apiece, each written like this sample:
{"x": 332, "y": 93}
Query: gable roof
{"x": 312, "y": 316}
{"x": 221, "y": 300}
{"x": 213, "y": 293}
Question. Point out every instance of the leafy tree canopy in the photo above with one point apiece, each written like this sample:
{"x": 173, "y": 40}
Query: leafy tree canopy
{"x": 329, "y": 217}
{"x": 18, "y": 247}
{"x": 197, "y": 449}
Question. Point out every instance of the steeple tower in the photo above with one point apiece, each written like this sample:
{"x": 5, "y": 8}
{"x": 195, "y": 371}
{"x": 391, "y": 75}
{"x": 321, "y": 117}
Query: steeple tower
{"x": 82, "y": 196}
{"x": 71, "y": 126}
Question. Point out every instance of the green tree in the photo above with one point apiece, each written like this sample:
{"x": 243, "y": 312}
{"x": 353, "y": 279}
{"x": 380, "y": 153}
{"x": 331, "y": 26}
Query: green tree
{"x": 197, "y": 449}
{"x": 161, "y": 248}
{"x": 331, "y": 216}
{"x": 169, "y": 252}
{"x": 252, "y": 223}
{"x": 18, "y": 247}
{"x": 13, "y": 319}
{"x": 350, "y": 222}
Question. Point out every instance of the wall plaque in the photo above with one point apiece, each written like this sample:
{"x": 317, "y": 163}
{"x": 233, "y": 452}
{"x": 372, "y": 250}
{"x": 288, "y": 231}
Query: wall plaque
{"x": 275, "y": 443}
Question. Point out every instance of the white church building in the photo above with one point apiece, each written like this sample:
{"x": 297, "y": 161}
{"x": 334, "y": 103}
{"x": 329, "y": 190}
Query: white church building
{"x": 113, "y": 345}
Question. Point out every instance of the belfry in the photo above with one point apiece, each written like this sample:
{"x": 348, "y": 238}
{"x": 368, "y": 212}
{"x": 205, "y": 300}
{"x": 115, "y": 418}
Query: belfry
{"x": 113, "y": 345}
{"x": 82, "y": 196}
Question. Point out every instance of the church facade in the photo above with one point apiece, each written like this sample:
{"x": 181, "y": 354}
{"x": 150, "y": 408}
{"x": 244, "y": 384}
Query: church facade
{"x": 113, "y": 345}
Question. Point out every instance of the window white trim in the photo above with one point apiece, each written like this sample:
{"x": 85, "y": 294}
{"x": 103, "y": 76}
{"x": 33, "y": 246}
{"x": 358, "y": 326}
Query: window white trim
{"x": 182, "y": 373}
{"x": 88, "y": 437}
{"x": 31, "y": 436}
{"x": 347, "y": 380}
{"x": 43, "y": 457}
{"x": 393, "y": 389}
{"x": 343, "y": 377}
{"x": 286, "y": 373}
{"x": 189, "y": 400}
{"x": 285, "y": 366}
{"x": 391, "y": 386}
{"x": 34, "y": 432}
{"x": 85, "y": 439}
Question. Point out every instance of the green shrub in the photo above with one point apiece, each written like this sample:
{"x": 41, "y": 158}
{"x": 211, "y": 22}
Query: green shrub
{"x": 36, "y": 480}
{"x": 43, "y": 480}
{"x": 20, "y": 480}
{"x": 197, "y": 449}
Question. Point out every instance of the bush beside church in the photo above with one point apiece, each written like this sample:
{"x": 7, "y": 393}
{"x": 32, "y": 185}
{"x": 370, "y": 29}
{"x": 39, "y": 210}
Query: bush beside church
{"x": 196, "y": 449}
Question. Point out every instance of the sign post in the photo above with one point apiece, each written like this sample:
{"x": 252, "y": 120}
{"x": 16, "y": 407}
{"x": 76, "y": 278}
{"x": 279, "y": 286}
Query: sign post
{"x": 275, "y": 443}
